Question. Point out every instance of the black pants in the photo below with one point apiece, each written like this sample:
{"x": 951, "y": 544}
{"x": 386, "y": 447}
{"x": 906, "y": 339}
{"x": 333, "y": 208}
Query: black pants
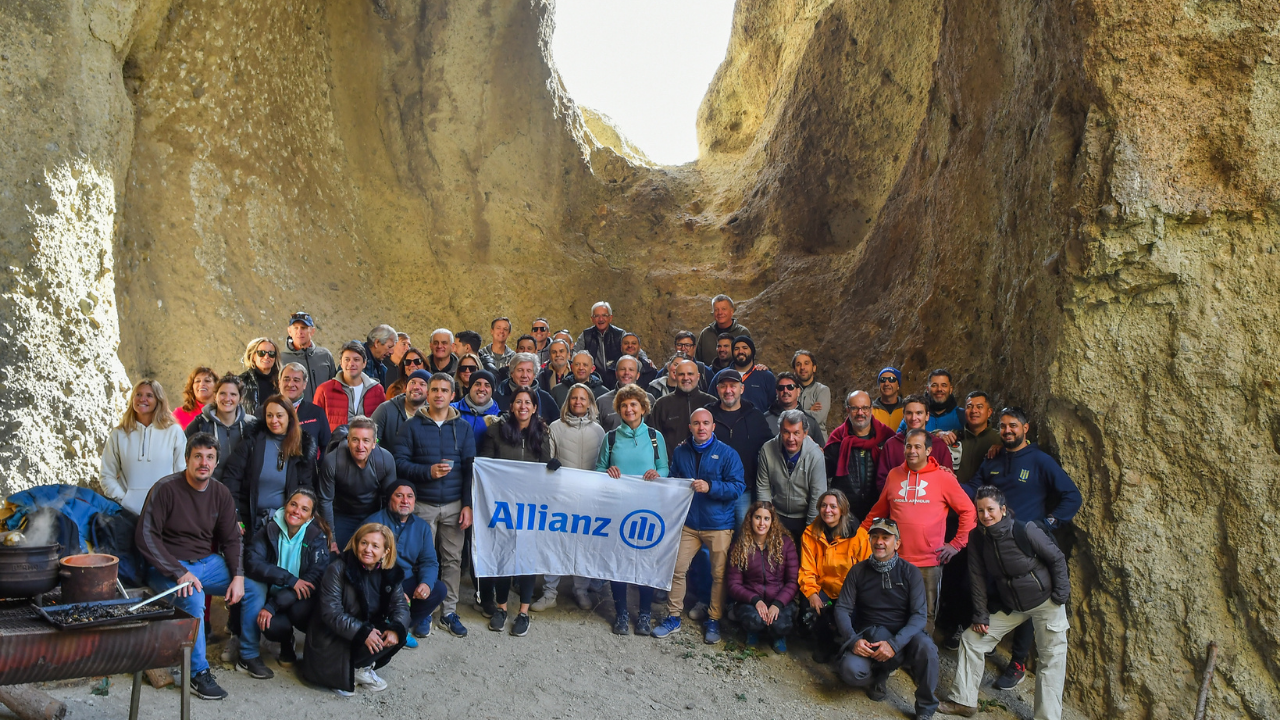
{"x": 919, "y": 656}
{"x": 955, "y": 601}
{"x": 1023, "y": 636}
{"x": 294, "y": 617}
{"x": 750, "y": 620}
{"x": 361, "y": 657}
{"x": 619, "y": 591}
{"x": 499, "y": 589}
{"x": 796, "y": 527}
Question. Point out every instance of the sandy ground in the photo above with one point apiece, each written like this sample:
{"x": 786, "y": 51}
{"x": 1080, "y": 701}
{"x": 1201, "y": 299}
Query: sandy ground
{"x": 569, "y": 666}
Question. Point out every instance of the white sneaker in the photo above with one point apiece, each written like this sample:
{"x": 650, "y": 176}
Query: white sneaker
{"x": 367, "y": 677}
{"x": 546, "y": 602}
{"x": 342, "y": 693}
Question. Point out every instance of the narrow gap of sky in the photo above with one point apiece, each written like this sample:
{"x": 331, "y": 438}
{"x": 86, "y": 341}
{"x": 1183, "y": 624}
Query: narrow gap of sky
{"x": 644, "y": 63}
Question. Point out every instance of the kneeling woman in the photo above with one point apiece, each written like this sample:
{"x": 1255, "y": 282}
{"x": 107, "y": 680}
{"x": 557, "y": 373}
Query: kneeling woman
{"x": 1030, "y": 573}
{"x": 763, "y": 567}
{"x": 363, "y": 615}
{"x": 282, "y": 567}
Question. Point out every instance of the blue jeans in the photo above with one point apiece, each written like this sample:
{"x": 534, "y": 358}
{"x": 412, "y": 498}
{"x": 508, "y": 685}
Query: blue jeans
{"x": 740, "y": 508}
{"x": 344, "y": 526}
{"x": 211, "y": 571}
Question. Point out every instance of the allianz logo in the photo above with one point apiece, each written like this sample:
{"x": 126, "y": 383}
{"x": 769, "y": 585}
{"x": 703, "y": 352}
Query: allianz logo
{"x": 641, "y": 529}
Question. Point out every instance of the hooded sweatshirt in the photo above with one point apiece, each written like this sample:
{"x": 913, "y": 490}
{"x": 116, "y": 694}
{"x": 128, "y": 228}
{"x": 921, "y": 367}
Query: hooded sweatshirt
{"x": 228, "y": 436}
{"x": 133, "y": 461}
{"x": 893, "y": 454}
{"x": 1035, "y": 486}
{"x": 918, "y": 502}
{"x": 341, "y": 402}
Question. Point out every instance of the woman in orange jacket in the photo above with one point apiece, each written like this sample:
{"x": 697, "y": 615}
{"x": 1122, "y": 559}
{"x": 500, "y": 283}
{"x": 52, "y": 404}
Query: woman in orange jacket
{"x": 831, "y": 545}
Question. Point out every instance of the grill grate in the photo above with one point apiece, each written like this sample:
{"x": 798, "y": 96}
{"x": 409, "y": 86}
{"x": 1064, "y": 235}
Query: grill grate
{"x": 17, "y": 618}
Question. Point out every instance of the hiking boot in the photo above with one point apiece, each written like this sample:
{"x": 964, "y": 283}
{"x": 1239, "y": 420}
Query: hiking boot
{"x": 499, "y": 620}
{"x": 622, "y": 624}
{"x": 367, "y": 677}
{"x": 288, "y": 656}
{"x": 1013, "y": 674}
{"x": 546, "y": 602}
{"x": 488, "y": 608}
{"x": 878, "y": 689}
{"x": 644, "y": 624}
{"x": 205, "y": 686}
{"x": 451, "y": 623}
{"x": 698, "y": 612}
{"x": 780, "y": 646}
{"x": 256, "y": 668}
{"x": 520, "y": 627}
{"x": 668, "y": 626}
{"x": 711, "y": 632}
{"x": 583, "y": 599}
{"x": 423, "y": 629}
{"x": 953, "y": 642}
{"x": 953, "y": 708}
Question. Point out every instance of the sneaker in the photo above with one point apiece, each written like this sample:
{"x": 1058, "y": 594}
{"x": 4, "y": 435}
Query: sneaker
{"x": 953, "y": 642}
{"x": 1012, "y": 675}
{"x": 499, "y": 620}
{"x": 583, "y": 600}
{"x": 288, "y": 656}
{"x": 256, "y": 668}
{"x": 205, "y": 686}
{"x": 546, "y": 602}
{"x": 367, "y": 677}
{"x": 342, "y": 693}
{"x": 780, "y": 646}
{"x": 488, "y": 608}
{"x": 622, "y": 624}
{"x": 698, "y": 612}
{"x": 422, "y": 629}
{"x": 753, "y": 639}
{"x": 878, "y": 689}
{"x": 711, "y": 632}
{"x": 229, "y": 649}
{"x": 955, "y": 708}
{"x": 410, "y": 642}
{"x": 520, "y": 627}
{"x": 451, "y": 623}
{"x": 668, "y": 626}
{"x": 644, "y": 624}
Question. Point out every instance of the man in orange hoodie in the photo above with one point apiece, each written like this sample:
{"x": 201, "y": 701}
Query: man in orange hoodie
{"x": 917, "y": 496}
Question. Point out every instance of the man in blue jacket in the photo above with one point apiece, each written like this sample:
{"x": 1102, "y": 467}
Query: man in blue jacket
{"x": 717, "y": 479}
{"x": 435, "y": 450}
{"x": 1038, "y": 491}
{"x": 416, "y": 555}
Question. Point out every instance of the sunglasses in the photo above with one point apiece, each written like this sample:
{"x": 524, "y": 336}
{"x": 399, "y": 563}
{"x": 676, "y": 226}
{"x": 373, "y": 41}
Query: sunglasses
{"x": 886, "y": 521}
{"x": 466, "y": 368}
{"x": 414, "y": 361}
{"x": 888, "y": 379}
{"x": 538, "y": 329}
{"x": 786, "y": 388}
{"x": 266, "y": 353}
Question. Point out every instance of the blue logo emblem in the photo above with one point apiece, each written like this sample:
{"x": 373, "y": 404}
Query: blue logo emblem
{"x": 643, "y": 529}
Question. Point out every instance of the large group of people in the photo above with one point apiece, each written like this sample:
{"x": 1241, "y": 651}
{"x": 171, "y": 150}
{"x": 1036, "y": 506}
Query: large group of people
{"x": 332, "y": 496}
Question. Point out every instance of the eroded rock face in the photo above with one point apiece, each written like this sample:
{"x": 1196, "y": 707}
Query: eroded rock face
{"x": 1073, "y": 205}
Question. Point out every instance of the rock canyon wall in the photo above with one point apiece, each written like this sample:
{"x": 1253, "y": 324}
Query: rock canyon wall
{"x": 1070, "y": 203}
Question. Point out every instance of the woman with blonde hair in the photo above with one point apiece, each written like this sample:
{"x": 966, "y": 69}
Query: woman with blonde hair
{"x": 146, "y": 446}
{"x": 262, "y": 373}
{"x": 831, "y": 545}
{"x": 197, "y": 393}
{"x": 363, "y": 616}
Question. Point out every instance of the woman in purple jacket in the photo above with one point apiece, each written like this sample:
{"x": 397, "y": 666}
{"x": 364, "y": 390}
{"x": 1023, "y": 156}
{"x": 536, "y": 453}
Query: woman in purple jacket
{"x": 762, "y": 572}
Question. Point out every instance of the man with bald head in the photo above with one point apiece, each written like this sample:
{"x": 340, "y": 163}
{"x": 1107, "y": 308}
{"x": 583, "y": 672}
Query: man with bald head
{"x": 715, "y": 473}
{"x": 670, "y": 414}
{"x": 853, "y": 453}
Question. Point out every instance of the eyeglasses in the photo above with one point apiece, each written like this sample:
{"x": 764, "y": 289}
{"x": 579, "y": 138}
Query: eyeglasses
{"x": 684, "y": 344}
{"x": 466, "y": 368}
{"x": 414, "y": 361}
{"x": 266, "y": 353}
{"x": 786, "y": 388}
{"x": 860, "y": 410}
{"x": 888, "y": 379}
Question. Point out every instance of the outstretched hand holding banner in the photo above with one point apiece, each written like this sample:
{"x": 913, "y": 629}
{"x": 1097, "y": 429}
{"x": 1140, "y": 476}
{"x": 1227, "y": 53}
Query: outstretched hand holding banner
{"x": 530, "y": 520}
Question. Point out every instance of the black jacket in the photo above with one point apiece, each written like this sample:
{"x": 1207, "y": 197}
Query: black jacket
{"x": 493, "y": 445}
{"x": 314, "y": 423}
{"x": 670, "y": 416}
{"x": 560, "y": 392}
{"x": 354, "y": 491}
{"x": 864, "y": 603}
{"x": 547, "y": 407}
{"x": 261, "y": 558}
{"x": 746, "y": 433}
{"x": 353, "y": 602}
{"x": 245, "y": 466}
{"x": 1022, "y": 581}
{"x": 257, "y": 388}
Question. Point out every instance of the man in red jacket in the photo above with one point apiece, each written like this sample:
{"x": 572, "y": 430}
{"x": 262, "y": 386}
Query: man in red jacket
{"x": 352, "y": 392}
{"x": 915, "y": 414}
{"x": 917, "y": 496}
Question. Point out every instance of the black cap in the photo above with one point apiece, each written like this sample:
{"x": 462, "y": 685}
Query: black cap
{"x": 728, "y": 375}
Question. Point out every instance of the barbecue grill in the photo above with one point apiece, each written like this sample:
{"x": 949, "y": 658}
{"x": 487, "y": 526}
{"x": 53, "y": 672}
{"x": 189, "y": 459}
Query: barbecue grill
{"x": 32, "y": 650}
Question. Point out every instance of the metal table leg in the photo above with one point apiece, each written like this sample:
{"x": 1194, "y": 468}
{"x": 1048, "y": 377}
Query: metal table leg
{"x": 186, "y": 682}
{"x": 135, "y": 696}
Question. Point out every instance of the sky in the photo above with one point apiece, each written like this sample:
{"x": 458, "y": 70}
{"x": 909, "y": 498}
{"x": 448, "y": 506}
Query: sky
{"x": 644, "y": 63}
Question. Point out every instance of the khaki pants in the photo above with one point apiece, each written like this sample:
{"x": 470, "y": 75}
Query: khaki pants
{"x": 1050, "y": 622}
{"x": 932, "y": 584}
{"x": 446, "y": 528}
{"x": 691, "y": 541}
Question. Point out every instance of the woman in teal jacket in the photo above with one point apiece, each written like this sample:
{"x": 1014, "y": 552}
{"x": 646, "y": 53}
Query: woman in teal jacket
{"x": 633, "y": 448}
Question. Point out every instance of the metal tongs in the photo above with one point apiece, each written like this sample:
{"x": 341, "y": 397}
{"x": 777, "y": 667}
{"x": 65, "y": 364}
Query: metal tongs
{"x": 154, "y": 598}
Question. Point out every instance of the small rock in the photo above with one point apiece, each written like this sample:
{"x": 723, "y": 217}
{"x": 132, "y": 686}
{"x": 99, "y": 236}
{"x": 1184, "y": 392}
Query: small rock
{"x": 688, "y": 706}
{"x": 629, "y": 671}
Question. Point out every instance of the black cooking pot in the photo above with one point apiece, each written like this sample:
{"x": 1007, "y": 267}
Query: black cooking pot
{"x": 28, "y": 570}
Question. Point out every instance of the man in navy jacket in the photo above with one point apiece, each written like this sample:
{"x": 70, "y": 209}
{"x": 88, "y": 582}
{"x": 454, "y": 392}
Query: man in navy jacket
{"x": 415, "y": 554}
{"x": 717, "y": 479}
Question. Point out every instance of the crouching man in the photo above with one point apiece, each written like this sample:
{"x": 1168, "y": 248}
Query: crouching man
{"x": 416, "y": 555}
{"x": 881, "y": 615}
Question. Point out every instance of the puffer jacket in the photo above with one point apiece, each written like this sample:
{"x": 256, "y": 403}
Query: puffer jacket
{"x": 353, "y": 602}
{"x": 334, "y": 398}
{"x": 257, "y": 388}
{"x": 1023, "y": 581}
{"x": 575, "y": 441}
{"x": 720, "y": 466}
{"x": 824, "y": 565}
{"x": 245, "y": 467}
{"x": 794, "y": 493}
{"x": 774, "y": 583}
{"x": 421, "y": 443}
{"x": 356, "y": 492}
{"x": 262, "y": 556}
{"x": 495, "y": 447}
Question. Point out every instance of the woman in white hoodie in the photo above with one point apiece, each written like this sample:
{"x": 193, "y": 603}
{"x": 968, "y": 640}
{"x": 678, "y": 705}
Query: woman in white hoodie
{"x": 146, "y": 446}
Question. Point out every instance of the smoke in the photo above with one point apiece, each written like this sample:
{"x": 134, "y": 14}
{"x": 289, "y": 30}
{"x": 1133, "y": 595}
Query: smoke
{"x": 42, "y": 527}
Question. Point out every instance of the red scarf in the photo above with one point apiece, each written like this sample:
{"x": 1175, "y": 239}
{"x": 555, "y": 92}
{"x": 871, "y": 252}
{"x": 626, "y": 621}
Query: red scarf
{"x": 848, "y": 442}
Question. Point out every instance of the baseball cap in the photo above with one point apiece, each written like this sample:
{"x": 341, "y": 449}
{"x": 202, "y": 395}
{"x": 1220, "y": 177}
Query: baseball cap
{"x": 301, "y": 317}
{"x": 728, "y": 375}
{"x": 884, "y": 525}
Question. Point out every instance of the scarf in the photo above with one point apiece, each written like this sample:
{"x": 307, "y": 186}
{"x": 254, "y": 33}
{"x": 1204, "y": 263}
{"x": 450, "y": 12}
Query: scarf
{"x": 704, "y": 445}
{"x": 478, "y": 409}
{"x": 883, "y": 568}
{"x": 289, "y": 549}
{"x": 849, "y": 442}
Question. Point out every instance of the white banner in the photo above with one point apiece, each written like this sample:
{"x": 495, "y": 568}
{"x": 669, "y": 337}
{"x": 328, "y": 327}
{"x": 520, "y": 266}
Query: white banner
{"x": 530, "y": 520}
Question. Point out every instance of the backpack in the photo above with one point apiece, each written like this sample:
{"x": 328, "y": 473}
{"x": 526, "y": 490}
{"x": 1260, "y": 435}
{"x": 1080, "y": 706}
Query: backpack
{"x": 613, "y": 438}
